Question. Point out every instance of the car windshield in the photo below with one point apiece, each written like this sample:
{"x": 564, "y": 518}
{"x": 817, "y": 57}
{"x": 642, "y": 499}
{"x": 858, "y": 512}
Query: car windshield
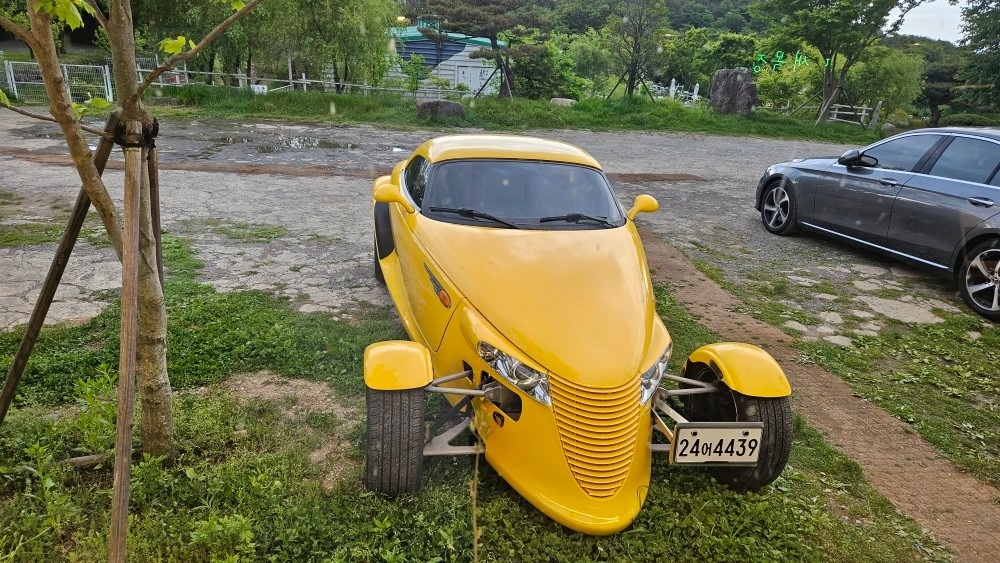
{"x": 530, "y": 194}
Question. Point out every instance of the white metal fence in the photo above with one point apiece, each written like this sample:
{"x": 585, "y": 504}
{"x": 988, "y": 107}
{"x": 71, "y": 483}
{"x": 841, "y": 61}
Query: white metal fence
{"x": 24, "y": 81}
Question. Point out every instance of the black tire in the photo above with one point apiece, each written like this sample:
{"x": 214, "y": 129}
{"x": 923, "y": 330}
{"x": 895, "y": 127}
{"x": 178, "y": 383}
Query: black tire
{"x": 730, "y": 406}
{"x": 778, "y": 209}
{"x": 379, "y": 275}
{"x": 394, "y": 446}
{"x": 978, "y": 279}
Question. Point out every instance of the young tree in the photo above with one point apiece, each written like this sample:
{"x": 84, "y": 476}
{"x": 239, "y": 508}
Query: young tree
{"x": 36, "y": 31}
{"x": 982, "y": 30}
{"x": 841, "y": 30}
{"x": 634, "y": 30}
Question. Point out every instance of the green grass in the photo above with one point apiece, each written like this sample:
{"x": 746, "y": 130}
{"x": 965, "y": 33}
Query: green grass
{"x": 27, "y": 234}
{"x": 934, "y": 377}
{"x": 250, "y": 232}
{"x": 494, "y": 114}
{"x": 243, "y": 488}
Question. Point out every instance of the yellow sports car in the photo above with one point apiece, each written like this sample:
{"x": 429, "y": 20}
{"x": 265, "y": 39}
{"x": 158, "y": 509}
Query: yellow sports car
{"x": 525, "y": 290}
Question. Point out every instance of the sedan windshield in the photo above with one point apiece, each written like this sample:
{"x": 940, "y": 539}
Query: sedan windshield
{"x": 529, "y": 194}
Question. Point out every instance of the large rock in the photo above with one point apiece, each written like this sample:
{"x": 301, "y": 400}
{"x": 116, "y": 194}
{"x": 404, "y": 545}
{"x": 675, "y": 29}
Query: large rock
{"x": 567, "y": 102}
{"x": 432, "y": 109}
{"x": 733, "y": 91}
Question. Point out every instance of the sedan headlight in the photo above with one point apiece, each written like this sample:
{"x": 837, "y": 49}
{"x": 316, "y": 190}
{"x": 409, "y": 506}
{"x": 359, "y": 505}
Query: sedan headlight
{"x": 651, "y": 378}
{"x": 531, "y": 381}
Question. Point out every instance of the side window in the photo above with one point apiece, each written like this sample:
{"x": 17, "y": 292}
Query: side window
{"x": 416, "y": 178}
{"x": 996, "y": 179}
{"x": 968, "y": 159}
{"x": 903, "y": 153}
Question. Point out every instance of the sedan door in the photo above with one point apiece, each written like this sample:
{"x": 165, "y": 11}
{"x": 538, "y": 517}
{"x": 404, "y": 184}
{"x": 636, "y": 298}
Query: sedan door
{"x": 857, "y": 201}
{"x": 935, "y": 211}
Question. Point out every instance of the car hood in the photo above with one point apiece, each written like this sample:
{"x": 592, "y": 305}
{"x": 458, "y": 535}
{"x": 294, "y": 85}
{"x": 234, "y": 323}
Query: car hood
{"x": 817, "y": 162}
{"x": 578, "y": 302}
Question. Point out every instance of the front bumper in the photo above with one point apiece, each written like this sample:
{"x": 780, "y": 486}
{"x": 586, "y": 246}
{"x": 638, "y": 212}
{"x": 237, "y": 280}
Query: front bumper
{"x": 566, "y": 470}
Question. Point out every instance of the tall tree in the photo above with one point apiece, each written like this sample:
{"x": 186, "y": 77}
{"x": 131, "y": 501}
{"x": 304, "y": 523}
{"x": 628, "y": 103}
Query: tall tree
{"x": 982, "y": 40}
{"x": 151, "y": 365}
{"x": 483, "y": 18}
{"x": 634, "y": 30}
{"x": 942, "y": 62}
{"x": 840, "y": 29}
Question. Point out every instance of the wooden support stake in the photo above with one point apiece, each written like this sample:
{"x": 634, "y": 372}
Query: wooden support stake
{"x": 154, "y": 208}
{"x": 52, "y": 279}
{"x": 127, "y": 349}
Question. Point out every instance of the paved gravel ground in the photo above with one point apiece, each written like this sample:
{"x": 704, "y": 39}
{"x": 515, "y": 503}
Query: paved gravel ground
{"x": 311, "y": 183}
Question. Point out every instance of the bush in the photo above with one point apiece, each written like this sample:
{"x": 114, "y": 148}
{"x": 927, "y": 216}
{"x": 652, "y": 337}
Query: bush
{"x": 966, "y": 120}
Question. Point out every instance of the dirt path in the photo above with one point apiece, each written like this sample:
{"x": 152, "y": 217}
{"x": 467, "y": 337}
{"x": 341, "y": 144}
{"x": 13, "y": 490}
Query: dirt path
{"x": 957, "y": 508}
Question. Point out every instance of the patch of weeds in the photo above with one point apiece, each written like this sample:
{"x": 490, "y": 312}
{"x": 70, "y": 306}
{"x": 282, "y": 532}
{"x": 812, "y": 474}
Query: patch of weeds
{"x": 30, "y": 234}
{"x": 934, "y": 377}
{"x": 250, "y": 232}
{"x": 711, "y": 271}
{"x": 889, "y": 293}
{"x": 296, "y": 267}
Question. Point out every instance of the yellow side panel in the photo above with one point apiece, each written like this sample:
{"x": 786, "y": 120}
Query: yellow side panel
{"x": 745, "y": 368}
{"x": 395, "y": 365}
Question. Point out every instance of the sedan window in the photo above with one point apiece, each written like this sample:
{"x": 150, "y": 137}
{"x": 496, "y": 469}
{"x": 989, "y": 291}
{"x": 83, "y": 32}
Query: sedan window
{"x": 972, "y": 160}
{"x": 524, "y": 192}
{"x": 903, "y": 153}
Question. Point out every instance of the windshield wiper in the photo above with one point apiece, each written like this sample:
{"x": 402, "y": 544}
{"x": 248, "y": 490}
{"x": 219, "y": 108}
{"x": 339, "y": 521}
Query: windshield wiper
{"x": 576, "y": 218}
{"x": 472, "y": 213}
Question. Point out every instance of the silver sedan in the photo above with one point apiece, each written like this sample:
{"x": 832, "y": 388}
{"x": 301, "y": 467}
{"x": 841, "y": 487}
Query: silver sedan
{"x": 929, "y": 197}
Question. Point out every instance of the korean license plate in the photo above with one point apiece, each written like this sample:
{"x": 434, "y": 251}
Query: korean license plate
{"x": 718, "y": 442}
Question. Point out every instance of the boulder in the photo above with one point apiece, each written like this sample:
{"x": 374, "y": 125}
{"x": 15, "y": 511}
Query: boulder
{"x": 568, "y": 102}
{"x": 733, "y": 91}
{"x": 888, "y": 128}
{"x": 432, "y": 109}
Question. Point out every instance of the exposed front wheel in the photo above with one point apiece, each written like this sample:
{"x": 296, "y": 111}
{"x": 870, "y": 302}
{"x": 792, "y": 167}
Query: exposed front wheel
{"x": 394, "y": 447}
{"x": 379, "y": 275}
{"x": 727, "y": 405}
{"x": 776, "y": 442}
{"x": 778, "y": 210}
{"x": 979, "y": 279}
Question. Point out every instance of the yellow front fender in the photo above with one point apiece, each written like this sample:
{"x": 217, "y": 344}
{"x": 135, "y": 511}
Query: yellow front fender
{"x": 744, "y": 368}
{"x": 396, "y": 365}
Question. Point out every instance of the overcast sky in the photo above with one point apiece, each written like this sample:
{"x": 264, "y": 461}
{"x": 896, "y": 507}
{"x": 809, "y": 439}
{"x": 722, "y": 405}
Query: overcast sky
{"x": 937, "y": 19}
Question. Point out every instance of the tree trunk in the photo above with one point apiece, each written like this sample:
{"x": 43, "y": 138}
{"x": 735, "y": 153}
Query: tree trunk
{"x": 935, "y": 114}
{"x": 151, "y": 364}
{"x": 151, "y": 352}
{"x": 830, "y": 91}
{"x": 506, "y": 78}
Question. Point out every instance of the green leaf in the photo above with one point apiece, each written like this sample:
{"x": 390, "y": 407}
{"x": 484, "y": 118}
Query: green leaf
{"x": 98, "y": 103}
{"x": 173, "y": 46}
{"x": 237, "y": 5}
{"x": 66, "y": 11}
{"x": 3, "y": 98}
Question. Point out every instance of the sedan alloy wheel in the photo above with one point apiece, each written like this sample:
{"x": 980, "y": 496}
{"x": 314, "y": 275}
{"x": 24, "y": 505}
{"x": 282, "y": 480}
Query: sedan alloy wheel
{"x": 980, "y": 280}
{"x": 778, "y": 210}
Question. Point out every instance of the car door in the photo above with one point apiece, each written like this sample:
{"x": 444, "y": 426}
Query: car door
{"x": 857, "y": 200}
{"x": 934, "y": 211}
{"x": 428, "y": 292}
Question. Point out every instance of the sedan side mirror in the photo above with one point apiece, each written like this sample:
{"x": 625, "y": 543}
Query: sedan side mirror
{"x": 390, "y": 193}
{"x": 855, "y": 157}
{"x": 643, "y": 204}
{"x": 850, "y": 158}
